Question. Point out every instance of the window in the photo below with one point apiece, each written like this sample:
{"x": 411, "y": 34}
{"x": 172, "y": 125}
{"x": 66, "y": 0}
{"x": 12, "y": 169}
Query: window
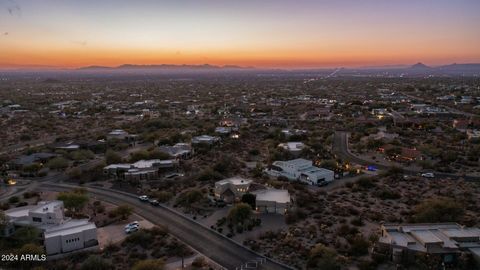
{"x": 72, "y": 240}
{"x": 36, "y": 219}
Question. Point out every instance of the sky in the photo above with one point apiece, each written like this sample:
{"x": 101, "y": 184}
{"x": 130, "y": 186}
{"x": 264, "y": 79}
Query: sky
{"x": 259, "y": 33}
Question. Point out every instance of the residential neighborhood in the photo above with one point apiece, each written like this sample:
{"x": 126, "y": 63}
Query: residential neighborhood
{"x": 240, "y": 135}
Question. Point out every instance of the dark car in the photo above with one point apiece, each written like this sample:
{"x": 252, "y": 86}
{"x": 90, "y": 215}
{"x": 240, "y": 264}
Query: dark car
{"x": 154, "y": 202}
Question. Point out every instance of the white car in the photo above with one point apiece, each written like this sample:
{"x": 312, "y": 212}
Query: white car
{"x": 143, "y": 198}
{"x": 131, "y": 229}
{"x": 133, "y": 224}
{"x": 428, "y": 175}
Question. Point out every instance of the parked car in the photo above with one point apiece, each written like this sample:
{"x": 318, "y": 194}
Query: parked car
{"x": 154, "y": 202}
{"x": 428, "y": 175}
{"x": 132, "y": 224}
{"x": 131, "y": 229}
{"x": 143, "y": 198}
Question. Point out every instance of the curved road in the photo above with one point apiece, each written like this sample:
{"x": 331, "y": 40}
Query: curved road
{"x": 340, "y": 148}
{"x": 215, "y": 246}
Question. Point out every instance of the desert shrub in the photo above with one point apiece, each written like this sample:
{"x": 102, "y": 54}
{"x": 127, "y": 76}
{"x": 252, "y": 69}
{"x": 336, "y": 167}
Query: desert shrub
{"x": 387, "y": 194}
{"x": 322, "y": 257}
{"x": 357, "y": 222}
{"x": 188, "y": 198}
{"x": 438, "y": 210}
{"x": 142, "y": 238}
{"x": 358, "y": 246}
{"x": 163, "y": 196}
{"x": 95, "y": 262}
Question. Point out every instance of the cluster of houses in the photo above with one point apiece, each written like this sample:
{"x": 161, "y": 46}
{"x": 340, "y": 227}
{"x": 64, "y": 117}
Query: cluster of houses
{"x": 151, "y": 169}
{"x": 59, "y": 234}
{"x": 232, "y": 189}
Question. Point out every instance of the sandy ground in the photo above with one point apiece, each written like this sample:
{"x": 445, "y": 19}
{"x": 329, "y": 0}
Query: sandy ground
{"x": 269, "y": 222}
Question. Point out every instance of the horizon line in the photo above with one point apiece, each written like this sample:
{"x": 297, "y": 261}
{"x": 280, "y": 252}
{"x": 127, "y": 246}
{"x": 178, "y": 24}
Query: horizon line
{"x": 17, "y": 67}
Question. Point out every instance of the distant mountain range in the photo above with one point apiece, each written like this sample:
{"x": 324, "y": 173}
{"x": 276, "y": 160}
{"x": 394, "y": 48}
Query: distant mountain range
{"x": 416, "y": 70}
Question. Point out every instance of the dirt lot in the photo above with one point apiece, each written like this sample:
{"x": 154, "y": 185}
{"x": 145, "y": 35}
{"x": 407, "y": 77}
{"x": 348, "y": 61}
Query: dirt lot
{"x": 115, "y": 233}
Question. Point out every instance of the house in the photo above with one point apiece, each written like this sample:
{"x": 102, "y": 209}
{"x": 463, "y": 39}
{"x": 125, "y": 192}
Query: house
{"x": 272, "y": 201}
{"x": 178, "y": 151}
{"x": 69, "y": 146}
{"x": 140, "y": 170}
{"x": 301, "y": 170}
{"x": 293, "y": 147}
{"x": 445, "y": 240}
{"x": 293, "y": 132}
{"x": 473, "y": 134}
{"x": 409, "y": 154}
{"x": 223, "y": 130}
{"x": 25, "y": 160}
{"x": 464, "y": 124}
{"x": 60, "y": 234}
{"x": 231, "y": 189}
{"x": 380, "y": 111}
{"x": 465, "y": 100}
{"x": 384, "y": 136}
{"x": 403, "y": 153}
{"x": 205, "y": 139}
{"x": 121, "y": 135}
{"x": 235, "y": 122}
{"x": 461, "y": 124}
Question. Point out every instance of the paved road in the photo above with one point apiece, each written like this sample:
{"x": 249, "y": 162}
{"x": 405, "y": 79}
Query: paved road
{"x": 340, "y": 148}
{"x": 220, "y": 249}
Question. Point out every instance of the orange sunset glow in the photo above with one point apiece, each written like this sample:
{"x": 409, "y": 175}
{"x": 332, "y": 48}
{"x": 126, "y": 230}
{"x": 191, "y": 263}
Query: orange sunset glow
{"x": 271, "y": 34}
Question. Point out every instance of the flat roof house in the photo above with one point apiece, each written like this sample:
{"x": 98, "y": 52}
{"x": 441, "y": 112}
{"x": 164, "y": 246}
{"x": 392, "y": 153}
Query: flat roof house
{"x": 302, "y": 170}
{"x": 120, "y": 134}
{"x": 293, "y": 147}
{"x": 473, "y": 134}
{"x": 223, "y": 130}
{"x": 26, "y": 160}
{"x": 272, "y": 201}
{"x": 60, "y": 234}
{"x": 231, "y": 189}
{"x": 446, "y": 240}
{"x": 178, "y": 151}
{"x": 206, "y": 139}
{"x": 293, "y": 132}
{"x": 140, "y": 170}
